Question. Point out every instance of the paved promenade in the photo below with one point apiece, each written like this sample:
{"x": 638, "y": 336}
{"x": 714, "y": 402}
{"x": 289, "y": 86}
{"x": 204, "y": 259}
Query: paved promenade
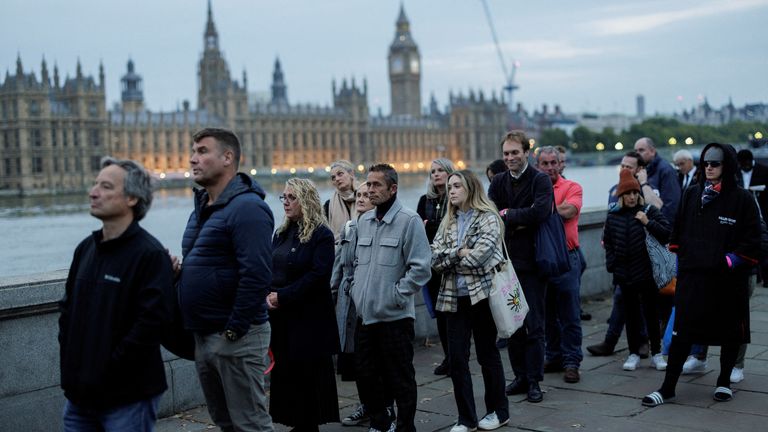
{"x": 606, "y": 399}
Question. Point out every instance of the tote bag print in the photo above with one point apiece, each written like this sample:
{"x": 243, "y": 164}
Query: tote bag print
{"x": 507, "y": 302}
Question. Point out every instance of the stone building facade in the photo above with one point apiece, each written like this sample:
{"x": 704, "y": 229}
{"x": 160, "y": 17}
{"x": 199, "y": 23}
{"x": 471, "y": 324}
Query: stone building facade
{"x": 53, "y": 134}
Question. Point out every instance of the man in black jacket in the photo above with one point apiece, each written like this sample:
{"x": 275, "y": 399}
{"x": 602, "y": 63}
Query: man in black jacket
{"x": 116, "y": 302}
{"x": 224, "y": 281}
{"x": 524, "y": 197}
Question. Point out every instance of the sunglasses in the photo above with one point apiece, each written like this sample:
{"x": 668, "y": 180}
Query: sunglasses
{"x": 713, "y": 164}
{"x": 289, "y": 198}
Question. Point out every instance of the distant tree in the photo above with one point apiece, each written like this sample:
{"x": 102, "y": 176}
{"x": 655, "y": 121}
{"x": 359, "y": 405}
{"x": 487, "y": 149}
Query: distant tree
{"x": 583, "y": 139}
{"x": 553, "y": 137}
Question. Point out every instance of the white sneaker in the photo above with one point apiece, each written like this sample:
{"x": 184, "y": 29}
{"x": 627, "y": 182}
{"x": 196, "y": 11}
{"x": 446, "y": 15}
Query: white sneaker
{"x": 737, "y": 375}
{"x": 632, "y": 361}
{"x": 461, "y": 428}
{"x": 658, "y": 362}
{"x": 694, "y": 366}
{"x": 491, "y": 422}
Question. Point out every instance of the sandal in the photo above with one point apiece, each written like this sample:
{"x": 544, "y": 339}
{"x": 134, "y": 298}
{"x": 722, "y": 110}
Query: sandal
{"x": 655, "y": 399}
{"x": 723, "y": 394}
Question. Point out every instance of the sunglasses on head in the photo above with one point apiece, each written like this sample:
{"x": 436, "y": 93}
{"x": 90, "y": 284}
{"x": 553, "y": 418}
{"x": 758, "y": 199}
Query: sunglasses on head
{"x": 713, "y": 164}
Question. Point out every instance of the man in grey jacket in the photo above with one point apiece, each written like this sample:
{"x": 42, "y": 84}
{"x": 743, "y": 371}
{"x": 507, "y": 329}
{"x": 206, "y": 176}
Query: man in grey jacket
{"x": 393, "y": 258}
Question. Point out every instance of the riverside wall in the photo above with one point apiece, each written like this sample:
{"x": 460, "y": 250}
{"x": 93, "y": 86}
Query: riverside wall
{"x": 30, "y": 396}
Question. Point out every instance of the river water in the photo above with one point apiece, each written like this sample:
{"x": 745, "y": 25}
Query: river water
{"x": 40, "y": 233}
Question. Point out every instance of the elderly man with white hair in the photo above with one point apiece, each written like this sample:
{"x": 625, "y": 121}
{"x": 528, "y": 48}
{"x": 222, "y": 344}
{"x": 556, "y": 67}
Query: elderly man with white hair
{"x": 686, "y": 169}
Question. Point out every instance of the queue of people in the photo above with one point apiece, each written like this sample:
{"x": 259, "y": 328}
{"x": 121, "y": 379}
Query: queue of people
{"x": 339, "y": 281}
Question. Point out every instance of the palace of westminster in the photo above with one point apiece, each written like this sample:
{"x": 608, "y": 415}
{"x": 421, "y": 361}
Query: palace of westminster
{"x": 53, "y": 133}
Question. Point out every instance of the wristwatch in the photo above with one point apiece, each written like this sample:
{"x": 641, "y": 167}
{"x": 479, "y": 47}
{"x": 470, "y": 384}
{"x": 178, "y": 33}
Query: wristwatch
{"x": 231, "y": 335}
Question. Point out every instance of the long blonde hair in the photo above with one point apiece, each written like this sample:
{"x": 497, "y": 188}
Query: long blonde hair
{"x": 476, "y": 199}
{"x": 311, "y": 210}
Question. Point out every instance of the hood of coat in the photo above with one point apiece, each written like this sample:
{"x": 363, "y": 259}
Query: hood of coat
{"x": 730, "y": 166}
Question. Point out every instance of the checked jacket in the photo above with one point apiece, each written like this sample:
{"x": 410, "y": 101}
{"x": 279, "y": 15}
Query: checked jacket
{"x": 483, "y": 237}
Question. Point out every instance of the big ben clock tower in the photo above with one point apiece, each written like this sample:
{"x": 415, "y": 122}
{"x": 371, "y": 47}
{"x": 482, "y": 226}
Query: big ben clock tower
{"x": 405, "y": 70}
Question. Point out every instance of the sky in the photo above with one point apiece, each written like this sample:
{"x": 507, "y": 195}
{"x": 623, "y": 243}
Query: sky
{"x": 586, "y": 56}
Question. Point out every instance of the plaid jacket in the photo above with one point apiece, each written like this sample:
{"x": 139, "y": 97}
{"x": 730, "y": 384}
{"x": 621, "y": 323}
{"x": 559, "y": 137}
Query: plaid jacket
{"x": 483, "y": 236}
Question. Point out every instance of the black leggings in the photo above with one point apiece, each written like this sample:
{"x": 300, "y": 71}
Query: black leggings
{"x": 678, "y": 352}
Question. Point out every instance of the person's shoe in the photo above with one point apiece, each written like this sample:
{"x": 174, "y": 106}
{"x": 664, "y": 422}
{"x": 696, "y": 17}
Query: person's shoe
{"x": 737, "y": 375}
{"x": 571, "y": 375}
{"x": 585, "y": 316}
{"x": 554, "y": 366}
{"x": 655, "y": 399}
{"x": 516, "y": 387}
{"x": 602, "y": 349}
{"x": 502, "y": 343}
{"x": 534, "y": 393}
{"x": 461, "y": 428}
{"x": 644, "y": 351}
{"x": 490, "y": 422}
{"x": 722, "y": 394}
{"x": 632, "y": 361}
{"x": 444, "y": 368}
{"x": 659, "y": 362}
{"x": 358, "y": 416}
{"x": 391, "y": 428}
{"x": 693, "y": 365}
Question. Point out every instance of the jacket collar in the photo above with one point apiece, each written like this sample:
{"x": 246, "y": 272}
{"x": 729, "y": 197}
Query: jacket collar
{"x": 389, "y": 217}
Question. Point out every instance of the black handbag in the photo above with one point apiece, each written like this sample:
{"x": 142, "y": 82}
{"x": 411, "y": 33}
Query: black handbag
{"x": 551, "y": 246}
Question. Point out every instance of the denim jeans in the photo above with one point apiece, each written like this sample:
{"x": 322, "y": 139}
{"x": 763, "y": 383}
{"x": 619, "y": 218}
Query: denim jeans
{"x": 563, "y": 310}
{"x": 475, "y": 322}
{"x": 136, "y": 417}
{"x": 232, "y": 377}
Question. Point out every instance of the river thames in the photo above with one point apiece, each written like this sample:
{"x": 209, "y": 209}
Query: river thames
{"x": 41, "y": 233}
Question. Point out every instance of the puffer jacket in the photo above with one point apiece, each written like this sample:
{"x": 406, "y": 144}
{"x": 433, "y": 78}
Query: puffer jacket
{"x": 226, "y": 276}
{"x": 626, "y": 255}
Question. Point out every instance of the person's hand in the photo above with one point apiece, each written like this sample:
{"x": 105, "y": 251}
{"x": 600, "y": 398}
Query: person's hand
{"x": 503, "y": 212}
{"x": 175, "y": 263}
{"x": 272, "y": 303}
{"x": 464, "y": 252}
{"x": 642, "y": 176}
{"x": 642, "y": 217}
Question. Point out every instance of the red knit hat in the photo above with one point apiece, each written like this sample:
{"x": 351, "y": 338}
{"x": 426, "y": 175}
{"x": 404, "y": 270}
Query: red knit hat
{"x": 627, "y": 183}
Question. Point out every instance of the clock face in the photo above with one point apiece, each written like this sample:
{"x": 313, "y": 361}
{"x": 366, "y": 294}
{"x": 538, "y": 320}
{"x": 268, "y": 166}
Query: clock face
{"x": 397, "y": 64}
{"x": 414, "y": 65}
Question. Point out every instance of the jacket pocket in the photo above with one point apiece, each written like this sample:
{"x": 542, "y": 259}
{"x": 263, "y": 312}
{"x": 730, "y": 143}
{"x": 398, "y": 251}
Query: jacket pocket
{"x": 364, "y": 250}
{"x": 388, "y": 254}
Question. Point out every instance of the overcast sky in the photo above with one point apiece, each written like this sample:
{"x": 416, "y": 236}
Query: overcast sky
{"x": 587, "y": 55}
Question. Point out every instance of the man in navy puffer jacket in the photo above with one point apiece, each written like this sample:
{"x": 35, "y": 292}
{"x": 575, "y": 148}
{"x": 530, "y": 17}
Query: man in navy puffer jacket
{"x": 224, "y": 282}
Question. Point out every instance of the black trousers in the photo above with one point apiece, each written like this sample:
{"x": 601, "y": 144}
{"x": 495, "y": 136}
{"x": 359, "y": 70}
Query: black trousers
{"x": 526, "y": 346}
{"x": 642, "y": 298}
{"x": 475, "y": 322}
{"x": 384, "y": 355}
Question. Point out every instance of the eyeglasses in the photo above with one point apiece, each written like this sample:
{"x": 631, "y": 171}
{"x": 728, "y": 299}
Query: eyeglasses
{"x": 713, "y": 164}
{"x": 288, "y": 198}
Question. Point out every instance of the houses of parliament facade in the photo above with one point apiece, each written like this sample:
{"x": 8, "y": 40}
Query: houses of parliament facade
{"x": 53, "y": 133}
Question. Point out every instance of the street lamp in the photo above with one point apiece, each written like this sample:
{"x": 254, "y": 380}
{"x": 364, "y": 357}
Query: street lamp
{"x": 689, "y": 141}
{"x": 619, "y": 146}
{"x": 758, "y": 135}
{"x": 600, "y": 146}
{"x": 672, "y": 141}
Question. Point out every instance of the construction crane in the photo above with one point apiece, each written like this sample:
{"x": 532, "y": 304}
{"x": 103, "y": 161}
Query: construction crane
{"x": 509, "y": 75}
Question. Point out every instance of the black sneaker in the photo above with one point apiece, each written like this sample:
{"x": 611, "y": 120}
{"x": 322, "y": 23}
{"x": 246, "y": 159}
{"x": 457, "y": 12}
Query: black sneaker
{"x": 444, "y": 368}
{"x": 358, "y": 416}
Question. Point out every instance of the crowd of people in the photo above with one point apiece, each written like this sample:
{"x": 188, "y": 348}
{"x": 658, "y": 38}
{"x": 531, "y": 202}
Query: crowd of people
{"x": 332, "y": 289}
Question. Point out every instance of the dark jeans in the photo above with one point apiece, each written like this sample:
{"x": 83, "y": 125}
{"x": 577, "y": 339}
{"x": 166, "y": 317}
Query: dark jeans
{"x": 563, "y": 311}
{"x": 475, "y": 322}
{"x": 678, "y": 352}
{"x": 384, "y": 354}
{"x": 617, "y": 319}
{"x": 526, "y": 346}
{"x": 640, "y": 300}
{"x": 138, "y": 416}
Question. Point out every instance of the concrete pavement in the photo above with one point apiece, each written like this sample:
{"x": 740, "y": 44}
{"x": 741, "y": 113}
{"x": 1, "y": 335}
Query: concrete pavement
{"x": 606, "y": 399}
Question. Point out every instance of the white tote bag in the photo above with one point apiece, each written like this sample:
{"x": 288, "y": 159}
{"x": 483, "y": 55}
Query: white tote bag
{"x": 506, "y": 300}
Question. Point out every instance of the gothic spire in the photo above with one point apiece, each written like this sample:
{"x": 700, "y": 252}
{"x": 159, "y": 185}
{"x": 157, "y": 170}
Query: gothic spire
{"x": 19, "y": 69}
{"x": 44, "y": 73}
{"x": 211, "y": 35}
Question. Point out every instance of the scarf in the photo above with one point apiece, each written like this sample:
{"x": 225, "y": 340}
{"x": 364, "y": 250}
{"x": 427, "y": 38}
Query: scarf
{"x": 340, "y": 210}
{"x": 711, "y": 191}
